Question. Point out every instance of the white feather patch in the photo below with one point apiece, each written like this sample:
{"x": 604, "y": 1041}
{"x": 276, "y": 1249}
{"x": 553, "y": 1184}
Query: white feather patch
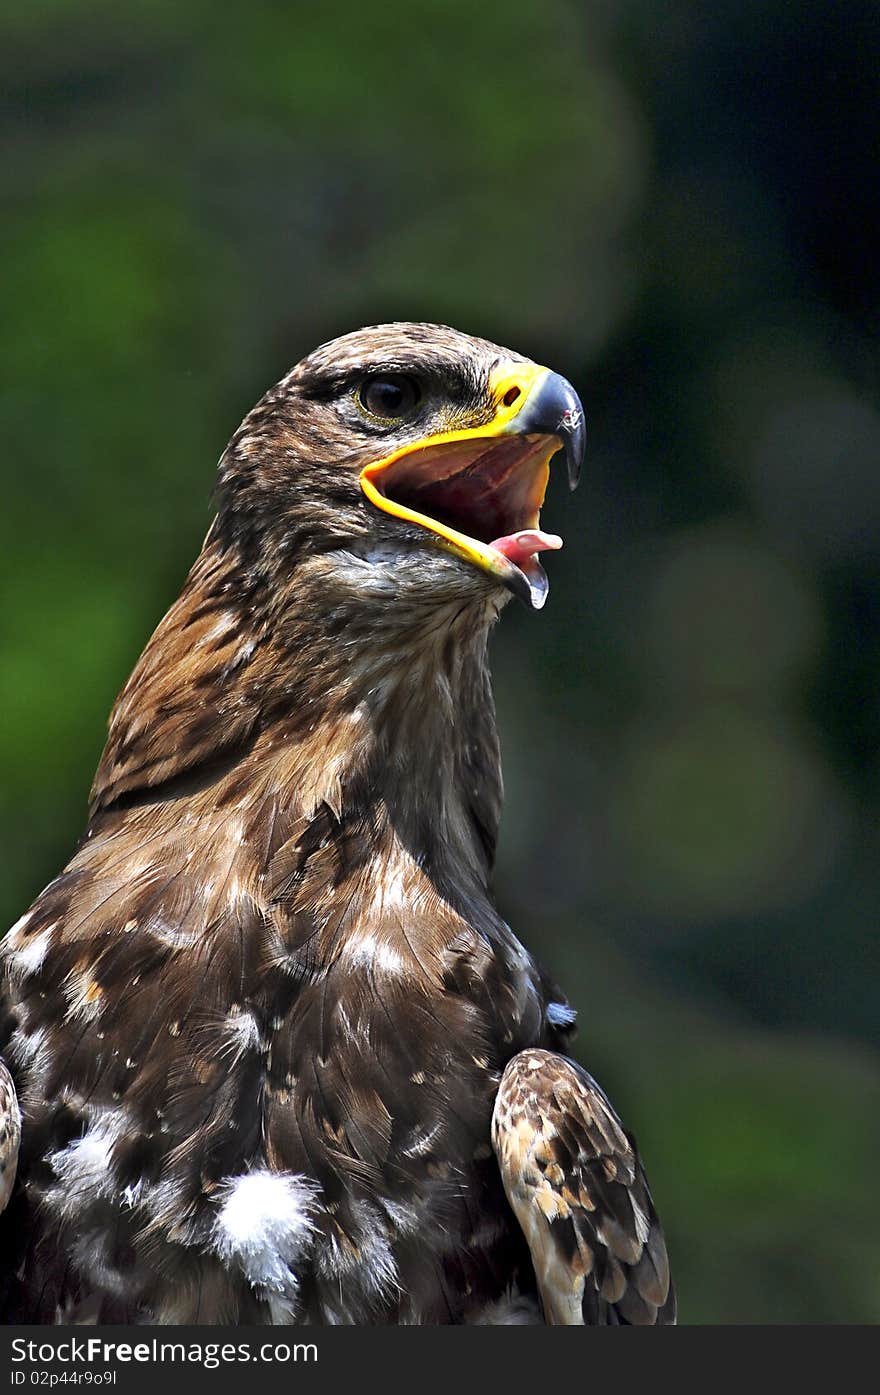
{"x": 243, "y": 1031}
{"x": 421, "y": 1141}
{"x": 372, "y": 953}
{"x": 30, "y": 1049}
{"x": 561, "y": 1015}
{"x": 83, "y": 1167}
{"x": 265, "y": 1225}
{"x": 26, "y": 955}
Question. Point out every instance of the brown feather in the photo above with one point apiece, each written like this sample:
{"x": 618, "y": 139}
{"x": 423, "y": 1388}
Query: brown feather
{"x": 574, "y": 1180}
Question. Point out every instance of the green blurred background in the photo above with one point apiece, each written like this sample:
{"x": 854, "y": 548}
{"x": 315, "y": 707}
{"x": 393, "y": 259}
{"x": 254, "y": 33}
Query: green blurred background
{"x": 674, "y": 205}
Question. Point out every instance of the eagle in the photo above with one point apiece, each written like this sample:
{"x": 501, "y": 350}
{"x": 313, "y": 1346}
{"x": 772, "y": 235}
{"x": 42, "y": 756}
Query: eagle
{"x": 272, "y": 1053}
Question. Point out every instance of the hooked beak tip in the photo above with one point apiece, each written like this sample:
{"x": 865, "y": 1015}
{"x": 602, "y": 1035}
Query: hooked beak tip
{"x": 553, "y": 408}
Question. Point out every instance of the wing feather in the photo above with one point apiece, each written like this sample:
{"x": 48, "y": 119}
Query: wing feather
{"x": 10, "y": 1134}
{"x": 573, "y": 1178}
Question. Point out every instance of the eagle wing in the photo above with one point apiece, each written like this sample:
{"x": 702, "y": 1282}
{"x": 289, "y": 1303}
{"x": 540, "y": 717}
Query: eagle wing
{"x": 10, "y": 1134}
{"x": 573, "y": 1178}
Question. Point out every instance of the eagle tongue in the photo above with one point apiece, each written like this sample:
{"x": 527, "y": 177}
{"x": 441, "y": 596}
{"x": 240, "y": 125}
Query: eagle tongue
{"x": 522, "y": 549}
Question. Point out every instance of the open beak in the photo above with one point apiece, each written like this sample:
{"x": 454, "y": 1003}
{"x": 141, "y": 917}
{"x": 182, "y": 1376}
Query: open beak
{"x": 480, "y": 491}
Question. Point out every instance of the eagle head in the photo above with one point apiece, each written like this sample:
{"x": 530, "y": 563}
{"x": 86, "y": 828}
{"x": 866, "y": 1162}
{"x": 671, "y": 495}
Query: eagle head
{"x": 374, "y": 511}
{"x": 404, "y": 459}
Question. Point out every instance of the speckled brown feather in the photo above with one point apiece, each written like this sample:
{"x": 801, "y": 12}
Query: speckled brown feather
{"x": 10, "y": 1134}
{"x": 574, "y": 1180}
{"x": 258, "y": 1021}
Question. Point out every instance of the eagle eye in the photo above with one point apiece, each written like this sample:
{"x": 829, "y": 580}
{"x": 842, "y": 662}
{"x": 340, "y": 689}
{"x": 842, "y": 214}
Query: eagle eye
{"x": 389, "y": 396}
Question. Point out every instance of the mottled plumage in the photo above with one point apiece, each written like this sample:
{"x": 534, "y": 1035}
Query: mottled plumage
{"x": 257, "y": 1024}
{"x": 10, "y": 1134}
{"x": 573, "y": 1178}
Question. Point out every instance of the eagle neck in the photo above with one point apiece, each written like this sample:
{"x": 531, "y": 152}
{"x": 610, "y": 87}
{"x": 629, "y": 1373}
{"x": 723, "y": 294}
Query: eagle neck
{"x": 319, "y": 706}
{"x": 406, "y": 745}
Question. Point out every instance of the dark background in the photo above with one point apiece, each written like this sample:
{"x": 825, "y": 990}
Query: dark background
{"x": 676, "y": 205}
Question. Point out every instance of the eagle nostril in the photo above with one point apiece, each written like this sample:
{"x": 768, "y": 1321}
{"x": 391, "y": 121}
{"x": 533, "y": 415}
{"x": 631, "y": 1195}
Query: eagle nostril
{"x": 511, "y": 395}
